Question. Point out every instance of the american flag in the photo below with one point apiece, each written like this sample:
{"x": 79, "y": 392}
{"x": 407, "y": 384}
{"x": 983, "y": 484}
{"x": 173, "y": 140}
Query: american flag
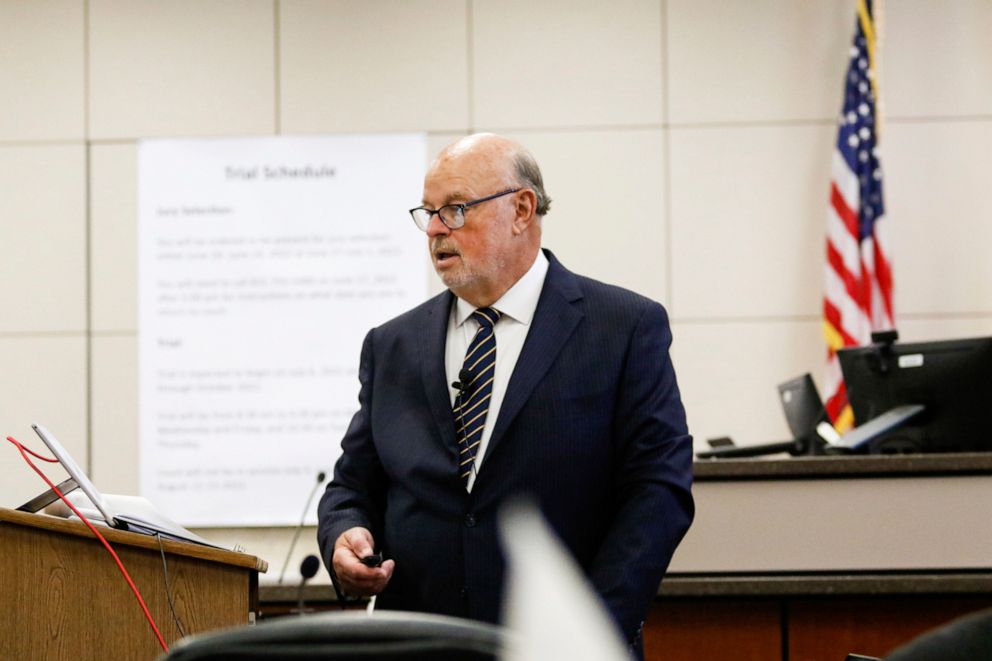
{"x": 858, "y": 293}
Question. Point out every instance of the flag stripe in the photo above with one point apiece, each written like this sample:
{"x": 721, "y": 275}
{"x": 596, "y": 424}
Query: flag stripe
{"x": 851, "y": 280}
{"x": 836, "y": 403}
{"x": 833, "y": 318}
{"x": 883, "y": 275}
{"x": 844, "y": 212}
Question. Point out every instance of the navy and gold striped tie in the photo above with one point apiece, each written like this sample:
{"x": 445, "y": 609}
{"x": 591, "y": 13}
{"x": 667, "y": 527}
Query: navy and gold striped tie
{"x": 476, "y": 377}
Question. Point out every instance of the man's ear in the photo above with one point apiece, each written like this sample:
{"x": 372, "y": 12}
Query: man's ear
{"x": 526, "y": 208}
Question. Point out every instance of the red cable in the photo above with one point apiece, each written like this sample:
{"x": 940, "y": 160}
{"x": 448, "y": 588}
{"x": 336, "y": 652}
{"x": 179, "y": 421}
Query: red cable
{"x": 35, "y": 454}
{"x": 120, "y": 565}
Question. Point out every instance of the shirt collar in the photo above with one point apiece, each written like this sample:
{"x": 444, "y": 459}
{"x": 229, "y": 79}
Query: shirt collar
{"x": 520, "y": 301}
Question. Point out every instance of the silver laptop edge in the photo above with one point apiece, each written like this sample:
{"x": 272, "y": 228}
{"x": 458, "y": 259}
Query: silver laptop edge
{"x": 75, "y": 472}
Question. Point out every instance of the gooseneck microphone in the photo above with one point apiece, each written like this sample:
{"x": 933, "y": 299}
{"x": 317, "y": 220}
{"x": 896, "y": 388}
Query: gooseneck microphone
{"x": 308, "y": 569}
{"x": 320, "y": 480}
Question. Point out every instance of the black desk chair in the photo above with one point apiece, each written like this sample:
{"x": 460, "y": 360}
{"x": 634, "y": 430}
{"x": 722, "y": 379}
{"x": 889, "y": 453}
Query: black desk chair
{"x": 967, "y": 638}
{"x": 350, "y": 635}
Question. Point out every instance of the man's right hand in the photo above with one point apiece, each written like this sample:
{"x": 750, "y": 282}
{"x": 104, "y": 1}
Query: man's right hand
{"x": 356, "y": 579}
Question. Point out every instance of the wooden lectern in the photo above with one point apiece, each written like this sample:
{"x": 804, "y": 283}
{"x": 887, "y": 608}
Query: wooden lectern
{"x": 63, "y": 597}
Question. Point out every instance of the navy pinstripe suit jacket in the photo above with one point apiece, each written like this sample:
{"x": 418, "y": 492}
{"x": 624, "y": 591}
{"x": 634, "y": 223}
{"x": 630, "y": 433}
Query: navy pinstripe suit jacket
{"x": 592, "y": 427}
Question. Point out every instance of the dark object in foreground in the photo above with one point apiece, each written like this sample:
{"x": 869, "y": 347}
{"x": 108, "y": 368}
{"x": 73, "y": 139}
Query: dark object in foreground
{"x": 385, "y": 635}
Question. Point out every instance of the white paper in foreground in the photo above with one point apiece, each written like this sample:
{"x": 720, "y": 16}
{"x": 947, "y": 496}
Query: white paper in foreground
{"x": 262, "y": 264}
{"x": 549, "y": 604}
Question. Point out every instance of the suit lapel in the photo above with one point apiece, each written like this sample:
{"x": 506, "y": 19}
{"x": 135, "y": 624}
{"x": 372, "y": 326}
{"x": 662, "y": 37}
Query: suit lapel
{"x": 432, "y": 371}
{"x": 555, "y": 319}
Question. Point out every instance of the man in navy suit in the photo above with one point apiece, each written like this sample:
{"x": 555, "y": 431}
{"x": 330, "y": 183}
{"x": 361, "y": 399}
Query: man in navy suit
{"x": 581, "y": 412}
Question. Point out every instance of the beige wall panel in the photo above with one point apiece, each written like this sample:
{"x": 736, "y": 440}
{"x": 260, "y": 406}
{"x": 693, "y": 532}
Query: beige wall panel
{"x": 943, "y": 328}
{"x": 808, "y": 525}
{"x": 749, "y": 207}
{"x": 728, "y": 374}
{"x": 44, "y": 382}
{"x": 938, "y": 203}
{"x": 115, "y": 414}
{"x": 764, "y": 60}
{"x": 607, "y": 218}
{"x": 114, "y": 237}
{"x": 567, "y": 63}
{"x": 43, "y": 234}
{"x": 373, "y": 66}
{"x": 181, "y": 68}
{"x": 41, "y": 70}
{"x": 937, "y": 58}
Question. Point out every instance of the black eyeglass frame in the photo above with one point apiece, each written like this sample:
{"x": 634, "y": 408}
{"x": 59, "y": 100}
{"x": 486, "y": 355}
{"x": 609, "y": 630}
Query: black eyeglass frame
{"x": 459, "y": 210}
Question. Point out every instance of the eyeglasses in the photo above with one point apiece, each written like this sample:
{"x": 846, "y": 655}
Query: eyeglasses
{"x": 452, "y": 215}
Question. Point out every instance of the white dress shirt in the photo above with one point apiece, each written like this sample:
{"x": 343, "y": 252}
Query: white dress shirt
{"x": 517, "y": 306}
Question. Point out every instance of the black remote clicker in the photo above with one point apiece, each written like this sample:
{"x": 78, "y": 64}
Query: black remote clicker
{"x": 373, "y": 560}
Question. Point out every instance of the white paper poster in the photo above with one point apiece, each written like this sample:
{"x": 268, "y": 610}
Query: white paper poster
{"x": 262, "y": 264}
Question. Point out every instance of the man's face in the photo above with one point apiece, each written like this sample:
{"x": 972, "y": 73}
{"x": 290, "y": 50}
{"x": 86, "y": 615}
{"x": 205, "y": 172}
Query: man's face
{"x": 471, "y": 260}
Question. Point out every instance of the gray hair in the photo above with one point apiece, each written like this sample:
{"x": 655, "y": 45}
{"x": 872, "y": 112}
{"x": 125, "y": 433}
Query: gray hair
{"x": 529, "y": 175}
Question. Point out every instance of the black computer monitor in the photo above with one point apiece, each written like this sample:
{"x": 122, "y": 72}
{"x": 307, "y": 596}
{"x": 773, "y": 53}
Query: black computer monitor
{"x": 951, "y": 378}
{"x": 803, "y": 408}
